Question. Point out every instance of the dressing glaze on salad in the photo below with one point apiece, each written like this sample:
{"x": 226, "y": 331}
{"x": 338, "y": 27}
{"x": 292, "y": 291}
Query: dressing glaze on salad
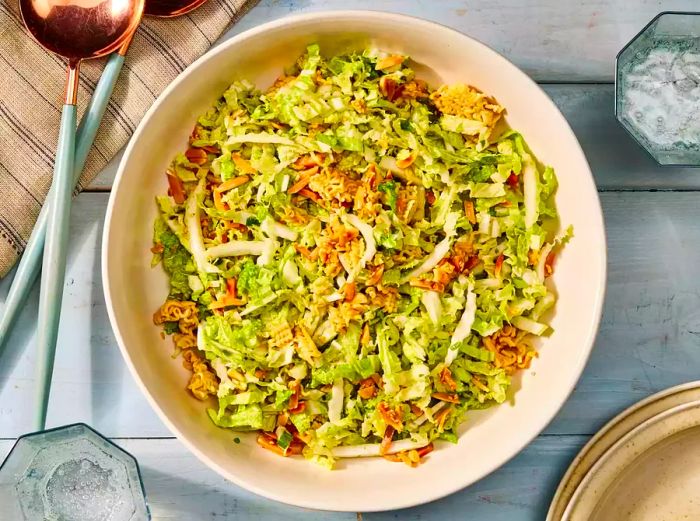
{"x": 355, "y": 260}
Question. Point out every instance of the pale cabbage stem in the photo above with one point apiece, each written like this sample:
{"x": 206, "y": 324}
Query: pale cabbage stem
{"x": 372, "y": 449}
{"x": 370, "y": 244}
{"x": 464, "y": 327}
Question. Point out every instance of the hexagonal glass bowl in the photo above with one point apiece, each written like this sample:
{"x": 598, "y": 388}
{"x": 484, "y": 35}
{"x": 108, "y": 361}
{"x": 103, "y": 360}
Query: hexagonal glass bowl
{"x": 71, "y": 473}
{"x": 657, "y": 88}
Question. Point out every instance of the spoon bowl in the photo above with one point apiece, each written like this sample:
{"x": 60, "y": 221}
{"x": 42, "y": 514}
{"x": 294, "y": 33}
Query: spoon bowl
{"x": 60, "y": 25}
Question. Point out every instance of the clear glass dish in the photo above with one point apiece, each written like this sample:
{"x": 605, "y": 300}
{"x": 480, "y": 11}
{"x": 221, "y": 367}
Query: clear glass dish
{"x": 657, "y": 88}
{"x": 71, "y": 473}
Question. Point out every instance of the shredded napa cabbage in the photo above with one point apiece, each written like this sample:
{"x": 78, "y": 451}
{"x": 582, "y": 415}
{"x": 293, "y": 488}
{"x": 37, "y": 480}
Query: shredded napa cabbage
{"x": 358, "y": 259}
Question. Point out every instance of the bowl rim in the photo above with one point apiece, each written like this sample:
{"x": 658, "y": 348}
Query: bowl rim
{"x": 391, "y": 503}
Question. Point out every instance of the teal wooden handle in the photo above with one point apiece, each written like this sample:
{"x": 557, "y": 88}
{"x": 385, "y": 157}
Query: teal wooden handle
{"x": 54, "y": 262}
{"x": 30, "y": 263}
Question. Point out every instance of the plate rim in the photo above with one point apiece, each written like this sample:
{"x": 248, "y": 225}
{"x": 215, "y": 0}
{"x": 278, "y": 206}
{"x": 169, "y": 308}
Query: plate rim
{"x": 656, "y": 421}
{"x": 564, "y": 493}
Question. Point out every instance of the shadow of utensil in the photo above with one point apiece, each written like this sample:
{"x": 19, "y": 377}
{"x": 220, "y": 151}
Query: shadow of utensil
{"x": 172, "y": 497}
{"x": 106, "y": 364}
{"x": 21, "y": 337}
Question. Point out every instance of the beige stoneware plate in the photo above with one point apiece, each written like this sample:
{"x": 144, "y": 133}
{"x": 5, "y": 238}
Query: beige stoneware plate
{"x": 651, "y": 474}
{"x": 611, "y": 433}
{"x": 133, "y": 291}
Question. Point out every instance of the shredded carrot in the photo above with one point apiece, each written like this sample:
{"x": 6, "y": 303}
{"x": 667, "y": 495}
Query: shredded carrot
{"x": 226, "y": 302}
{"x": 446, "y": 378}
{"x": 269, "y": 442}
{"x": 303, "y": 250}
{"x": 230, "y": 299}
{"x": 242, "y": 164}
{"x": 308, "y": 161}
{"x": 310, "y": 194}
{"x": 441, "y": 418}
{"x": 219, "y": 204}
{"x": 469, "y": 211}
{"x": 232, "y": 183}
{"x": 303, "y": 181}
{"x": 499, "y": 265}
{"x": 177, "y": 188}
{"x": 445, "y": 397}
{"x": 231, "y": 287}
{"x": 349, "y": 289}
{"x": 549, "y": 264}
{"x": 366, "y": 336}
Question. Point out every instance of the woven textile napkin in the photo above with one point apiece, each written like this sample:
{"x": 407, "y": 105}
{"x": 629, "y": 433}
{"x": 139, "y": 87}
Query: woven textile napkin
{"x": 31, "y": 94}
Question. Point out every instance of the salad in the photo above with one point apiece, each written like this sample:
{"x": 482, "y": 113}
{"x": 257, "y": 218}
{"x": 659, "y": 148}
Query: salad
{"x": 355, "y": 260}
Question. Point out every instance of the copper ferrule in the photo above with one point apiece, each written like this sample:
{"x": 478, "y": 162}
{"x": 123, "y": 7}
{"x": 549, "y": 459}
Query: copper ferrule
{"x": 72, "y": 77}
{"x": 125, "y": 46}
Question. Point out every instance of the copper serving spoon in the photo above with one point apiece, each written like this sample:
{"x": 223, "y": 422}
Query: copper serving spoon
{"x": 30, "y": 264}
{"x": 76, "y": 30}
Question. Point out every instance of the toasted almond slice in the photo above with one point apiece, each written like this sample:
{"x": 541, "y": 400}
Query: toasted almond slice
{"x": 197, "y": 156}
{"x": 386, "y": 440}
{"x": 177, "y": 188}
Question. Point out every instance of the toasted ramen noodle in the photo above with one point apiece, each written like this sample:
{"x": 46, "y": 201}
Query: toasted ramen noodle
{"x": 511, "y": 349}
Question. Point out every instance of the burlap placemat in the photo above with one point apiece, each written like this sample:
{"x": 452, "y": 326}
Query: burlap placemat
{"x": 31, "y": 93}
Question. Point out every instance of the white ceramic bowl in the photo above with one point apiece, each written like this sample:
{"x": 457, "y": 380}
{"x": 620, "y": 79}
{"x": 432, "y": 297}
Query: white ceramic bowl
{"x": 134, "y": 291}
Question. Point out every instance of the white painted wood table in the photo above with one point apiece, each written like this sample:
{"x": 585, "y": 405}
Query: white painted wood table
{"x": 649, "y": 337}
